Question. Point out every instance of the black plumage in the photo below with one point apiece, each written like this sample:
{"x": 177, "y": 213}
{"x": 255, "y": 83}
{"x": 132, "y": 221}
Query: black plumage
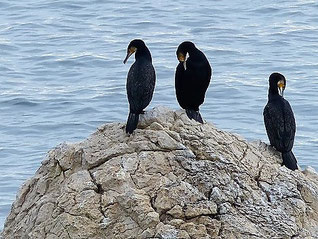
{"x": 192, "y": 79}
{"x": 140, "y": 82}
{"x": 280, "y": 121}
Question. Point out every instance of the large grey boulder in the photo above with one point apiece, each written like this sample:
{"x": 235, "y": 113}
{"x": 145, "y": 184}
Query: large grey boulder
{"x": 173, "y": 178}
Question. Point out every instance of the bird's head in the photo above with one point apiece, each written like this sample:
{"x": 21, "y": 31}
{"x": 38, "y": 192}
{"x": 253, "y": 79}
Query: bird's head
{"x": 183, "y": 52}
{"x": 278, "y": 83}
{"x": 133, "y": 46}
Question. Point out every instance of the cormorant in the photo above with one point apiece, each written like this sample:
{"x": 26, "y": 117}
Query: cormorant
{"x": 141, "y": 80}
{"x": 279, "y": 120}
{"x": 192, "y": 79}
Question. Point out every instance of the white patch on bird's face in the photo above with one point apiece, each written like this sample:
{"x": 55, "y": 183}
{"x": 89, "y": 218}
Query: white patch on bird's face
{"x": 281, "y": 87}
{"x": 185, "y": 61}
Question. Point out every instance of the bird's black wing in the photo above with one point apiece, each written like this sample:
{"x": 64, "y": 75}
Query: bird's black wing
{"x": 290, "y": 126}
{"x": 180, "y": 86}
{"x": 271, "y": 123}
{"x": 140, "y": 85}
{"x": 280, "y": 125}
{"x": 191, "y": 84}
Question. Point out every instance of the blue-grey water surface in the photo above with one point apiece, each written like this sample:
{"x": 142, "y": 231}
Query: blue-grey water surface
{"x": 62, "y": 73}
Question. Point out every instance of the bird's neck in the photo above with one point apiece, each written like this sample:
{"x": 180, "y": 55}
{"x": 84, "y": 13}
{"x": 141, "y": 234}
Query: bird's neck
{"x": 274, "y": 96}
{"x": 143, "y": 53}
{"x": 273, "y": 92}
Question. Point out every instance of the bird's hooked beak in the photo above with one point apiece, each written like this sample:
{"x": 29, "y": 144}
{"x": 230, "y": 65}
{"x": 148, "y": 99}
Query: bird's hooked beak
{"x": 183, "y": 58}
{"x": 281, "y": 87}
{"x": 130, "y": 51}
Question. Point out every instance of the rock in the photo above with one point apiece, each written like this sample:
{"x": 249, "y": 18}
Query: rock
{"x": 173, "y": 178}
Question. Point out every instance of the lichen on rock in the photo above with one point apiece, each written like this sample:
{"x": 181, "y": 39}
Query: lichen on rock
{"x": 173, "y": 178}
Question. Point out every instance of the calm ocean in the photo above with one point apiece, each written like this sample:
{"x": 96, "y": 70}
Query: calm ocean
{"x": 62, "y": 74}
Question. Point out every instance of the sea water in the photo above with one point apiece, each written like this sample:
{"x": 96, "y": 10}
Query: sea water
{"x": 62, "y": 73}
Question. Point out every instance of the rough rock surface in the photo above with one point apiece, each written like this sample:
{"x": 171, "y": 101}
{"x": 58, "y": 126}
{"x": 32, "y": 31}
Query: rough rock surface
{"x": 173, "y": 178}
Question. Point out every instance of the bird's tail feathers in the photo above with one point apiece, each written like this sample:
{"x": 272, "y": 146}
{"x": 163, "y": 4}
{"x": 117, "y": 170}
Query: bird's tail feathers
{"x": 132, "y": 122}
{"x": 192, "y": 114}
{"x": 289, "y": 160}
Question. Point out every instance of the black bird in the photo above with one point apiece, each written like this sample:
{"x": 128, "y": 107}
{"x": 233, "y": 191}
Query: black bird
{"x": 140, "y": 82}
{"x": 192, "y": 79}
{"x": 279, "y": 120}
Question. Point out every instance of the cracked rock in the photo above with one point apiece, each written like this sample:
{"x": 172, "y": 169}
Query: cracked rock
{"x": 172, "y": 178}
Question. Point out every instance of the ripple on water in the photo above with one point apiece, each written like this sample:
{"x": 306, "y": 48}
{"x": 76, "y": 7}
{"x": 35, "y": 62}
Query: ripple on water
{"x": 20, "y": 102}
